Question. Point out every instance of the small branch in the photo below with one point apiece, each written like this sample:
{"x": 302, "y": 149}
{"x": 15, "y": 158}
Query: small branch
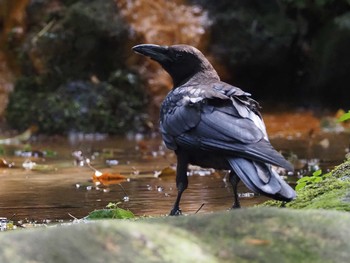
{"x": 45, "y": 29}
{"x": 199, "y": 208}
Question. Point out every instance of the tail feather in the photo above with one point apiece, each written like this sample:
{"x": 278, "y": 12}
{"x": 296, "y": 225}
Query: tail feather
{"x": 261, "y": 178}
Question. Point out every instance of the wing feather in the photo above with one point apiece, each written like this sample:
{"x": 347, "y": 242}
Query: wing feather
{"x": 223, "y": 120}
{"x": 261, "y": 178}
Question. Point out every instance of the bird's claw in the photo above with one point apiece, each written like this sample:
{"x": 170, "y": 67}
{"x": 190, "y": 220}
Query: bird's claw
{"x": 175, "y": 212}
{"x": 236, "y": 206}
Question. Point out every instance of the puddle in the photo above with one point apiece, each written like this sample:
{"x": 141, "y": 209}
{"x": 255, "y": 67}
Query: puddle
{"x": 68, "y": 188}
{"x": 64, "y": 188}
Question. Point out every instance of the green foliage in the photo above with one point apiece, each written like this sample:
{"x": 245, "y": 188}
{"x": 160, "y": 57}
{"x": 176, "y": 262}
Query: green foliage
{"x": 316, "y": 177}
{"x": 344, "y": 117}
{"x": 112, "y": 211}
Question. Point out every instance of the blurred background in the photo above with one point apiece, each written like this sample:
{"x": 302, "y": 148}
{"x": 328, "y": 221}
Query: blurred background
{"x": 67, "y": 65}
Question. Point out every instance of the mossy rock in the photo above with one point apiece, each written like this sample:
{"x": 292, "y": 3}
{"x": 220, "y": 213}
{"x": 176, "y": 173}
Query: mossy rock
{"x": 331, "y": 193}
{"x": 245, "y": 235}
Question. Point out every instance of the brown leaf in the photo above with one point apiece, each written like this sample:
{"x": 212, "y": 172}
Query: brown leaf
{"x": 167, "y": 171}
{"x": 108, "y": 178}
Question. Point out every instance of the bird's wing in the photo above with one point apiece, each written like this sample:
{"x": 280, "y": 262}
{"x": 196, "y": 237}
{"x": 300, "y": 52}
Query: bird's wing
{"x": 218, "y": 118}
{"x": 181, "y": 109}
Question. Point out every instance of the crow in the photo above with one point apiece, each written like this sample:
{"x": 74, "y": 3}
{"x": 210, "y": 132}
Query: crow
{"x": 210, "y": 123}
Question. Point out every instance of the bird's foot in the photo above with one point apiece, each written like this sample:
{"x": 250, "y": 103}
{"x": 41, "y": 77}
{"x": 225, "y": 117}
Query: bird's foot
{"x": 236, "y": 206}
{"x": 175, "y": 212}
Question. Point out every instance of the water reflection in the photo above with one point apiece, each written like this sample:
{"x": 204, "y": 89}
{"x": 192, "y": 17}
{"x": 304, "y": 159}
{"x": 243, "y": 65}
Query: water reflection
{"x": 67, "y": 188}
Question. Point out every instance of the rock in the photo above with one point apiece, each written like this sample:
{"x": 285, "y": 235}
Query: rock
{"x": 246, "y": 235}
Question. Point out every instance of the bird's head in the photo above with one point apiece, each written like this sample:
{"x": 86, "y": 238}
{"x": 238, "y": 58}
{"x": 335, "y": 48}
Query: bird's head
{"x": 182, "y": 62}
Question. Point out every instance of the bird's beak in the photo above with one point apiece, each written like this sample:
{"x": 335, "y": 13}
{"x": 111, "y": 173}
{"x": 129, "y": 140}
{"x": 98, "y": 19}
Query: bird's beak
{"x": 155, "y": 52}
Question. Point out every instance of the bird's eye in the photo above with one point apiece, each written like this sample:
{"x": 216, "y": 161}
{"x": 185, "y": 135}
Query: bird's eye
{"x": 178, "y": 55}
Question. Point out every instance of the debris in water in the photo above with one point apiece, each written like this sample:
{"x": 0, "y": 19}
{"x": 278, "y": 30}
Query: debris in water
{"x": 167, "y": 171}
{"x": 28, "y": 154}
{"x": 33, "y": 166}
{"x": 5, "y": 164}
{"x": 324, "y": 143}
{"x": 135, "y": 171}
{"x": 112, "y": 162}
{"x": 6, "y": 224}
{"x": 107, "y": 178}
{"x": 21, "y": 138}
{"x": 197, "y": 170}
{"x": 79, "y": 159}
{"x": 246, "y": 195}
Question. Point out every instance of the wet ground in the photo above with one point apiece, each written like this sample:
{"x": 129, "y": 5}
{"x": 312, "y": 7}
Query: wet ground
{"x": 48, "y": 183}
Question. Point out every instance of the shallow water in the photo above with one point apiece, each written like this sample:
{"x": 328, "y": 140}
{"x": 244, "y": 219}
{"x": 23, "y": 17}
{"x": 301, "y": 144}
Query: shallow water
{"x": 63, "y": 188}
{"x": 67, "y": 188}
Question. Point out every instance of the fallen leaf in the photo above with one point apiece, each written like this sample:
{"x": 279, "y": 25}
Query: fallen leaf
{"x": 107, "y": 178}
{"x": 5, "y": 164}
{"x": 142, "y": 145}
{"x": 167, "y": 171}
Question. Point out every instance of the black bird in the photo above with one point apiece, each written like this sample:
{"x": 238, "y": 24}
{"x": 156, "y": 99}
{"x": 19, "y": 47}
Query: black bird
{"x": 210, "y": 123}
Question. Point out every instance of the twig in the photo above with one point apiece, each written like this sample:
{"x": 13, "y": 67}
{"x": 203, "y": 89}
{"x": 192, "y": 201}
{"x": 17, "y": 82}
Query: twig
{"x": 199, "y": 208}
{"x": 126, "y": 194}
{"x": 73, "y": 216}
{"x": 45, "y": 29}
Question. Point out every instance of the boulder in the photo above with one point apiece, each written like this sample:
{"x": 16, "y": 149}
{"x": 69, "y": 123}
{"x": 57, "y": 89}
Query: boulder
{"x": 245, "y": 235}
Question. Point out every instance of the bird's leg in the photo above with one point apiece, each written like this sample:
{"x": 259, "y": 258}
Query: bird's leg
{"x": 181, "y": 181}
{"x": 234, "y": 180}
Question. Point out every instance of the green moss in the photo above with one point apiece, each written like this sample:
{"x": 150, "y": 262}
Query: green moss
{"x": 331, "y": 193}
{"x": 112, "y": 211}
{"x": 244, "y": 235}
{"x": 267, "y": 235}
